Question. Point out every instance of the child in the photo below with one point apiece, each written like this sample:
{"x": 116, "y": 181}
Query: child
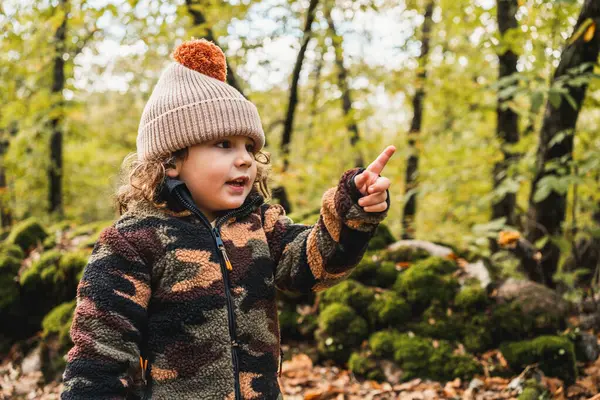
{"x": 177, "y": 300}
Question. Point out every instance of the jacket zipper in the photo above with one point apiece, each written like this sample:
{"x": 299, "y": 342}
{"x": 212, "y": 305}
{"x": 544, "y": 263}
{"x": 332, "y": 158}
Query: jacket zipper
{"x": 228, "y": 266}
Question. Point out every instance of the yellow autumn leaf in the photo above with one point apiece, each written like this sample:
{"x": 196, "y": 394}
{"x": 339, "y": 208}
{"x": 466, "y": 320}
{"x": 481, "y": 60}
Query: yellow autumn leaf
{"x": 589, "y": 33}
{"x": 583, "y": 29}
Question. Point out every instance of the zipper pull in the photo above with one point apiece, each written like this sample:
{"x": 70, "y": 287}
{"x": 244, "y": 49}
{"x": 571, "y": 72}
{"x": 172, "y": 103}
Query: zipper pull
{"x": 222, "y": 248}
{"x": 144, "y": 366}
{"x": 227, "y": 262}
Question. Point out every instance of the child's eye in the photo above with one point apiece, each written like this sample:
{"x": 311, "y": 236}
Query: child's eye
{"x": 250, "y": 148}
{"x": 223, "y": 141}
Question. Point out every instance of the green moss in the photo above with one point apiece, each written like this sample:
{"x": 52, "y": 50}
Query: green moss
{"x": 424, "y": 281}
{"x": 440, "y": 265}
{"x": 436, "y": 323}
{"x": 44, "y": 270}
{"x": 49, "y": 242}
{"x": 510, "y": 323}
{"x": 529, "y": 394}
{"x": 27, "y": 234}
{"x": 93, "y": 228}
{"x": 11, "y": 250}
{"x": 405, "y": 254}
{"x": 9, "y": 289}
{"x": 53, "y": 268}
{"x": 418, "y": 357}
{"x": 73, "y": 263}
{"x": 340, "y": 329}
{"x": 388, "y": 310}
{"x": 351, "y": 293}
{"x": 382, "y": 238}
{"x": 476, "y": 334}
{"x": 364, "y": 365}
{"x": 472, "y": 299}
{"x": 58, "y": 322}
{"x": 375, "y": 273}
{"x": 61, "y": 226}
{"x": 382, "y": 343}
{"x": 555, "y": 355}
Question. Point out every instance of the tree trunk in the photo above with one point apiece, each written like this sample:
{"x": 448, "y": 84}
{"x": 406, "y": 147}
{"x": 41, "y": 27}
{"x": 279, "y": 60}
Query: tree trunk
{"x": 412, "y": 167}
{"x": 546, "y": 215}
{"x": 56, "y": 136}
{"x": 5, "y": 207}
{"x": 279, "y": 193}
{"x": 199, "y": 20}
{"x": 351, "y": 124}
{"x": 507, "y": 129}
{"x": 288, "y": 125}
{"x": 314, "y": 105}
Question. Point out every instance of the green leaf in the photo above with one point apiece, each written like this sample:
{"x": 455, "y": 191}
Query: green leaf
{"x": 537, "y": 99}
{"x": 555, "y": 98}
{"x": 571, "y": 101}
{"x": 540, "y": 243}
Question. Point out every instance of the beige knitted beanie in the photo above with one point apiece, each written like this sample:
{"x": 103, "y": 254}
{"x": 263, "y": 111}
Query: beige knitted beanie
{"x": 192, "y": 103}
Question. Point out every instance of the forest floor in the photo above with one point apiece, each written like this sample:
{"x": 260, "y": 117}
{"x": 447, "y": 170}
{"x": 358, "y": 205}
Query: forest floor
{"x": 302, "y": 380}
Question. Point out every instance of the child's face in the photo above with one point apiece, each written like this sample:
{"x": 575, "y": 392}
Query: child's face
{"x": 210, "y": 165}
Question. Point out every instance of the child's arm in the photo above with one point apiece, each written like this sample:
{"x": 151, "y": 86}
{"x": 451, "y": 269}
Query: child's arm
{"x": 109, "y": 321}
{"x": 315, "y": 257}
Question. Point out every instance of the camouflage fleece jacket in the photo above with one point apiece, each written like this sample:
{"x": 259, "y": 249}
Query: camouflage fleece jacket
{"x": 195, "y": 305}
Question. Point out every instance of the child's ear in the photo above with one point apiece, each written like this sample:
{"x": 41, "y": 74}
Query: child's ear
{"x": 172, "y": 172}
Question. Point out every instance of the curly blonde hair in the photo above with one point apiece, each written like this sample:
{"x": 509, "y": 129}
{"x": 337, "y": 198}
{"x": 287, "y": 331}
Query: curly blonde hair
{"x": 141, "y": 180}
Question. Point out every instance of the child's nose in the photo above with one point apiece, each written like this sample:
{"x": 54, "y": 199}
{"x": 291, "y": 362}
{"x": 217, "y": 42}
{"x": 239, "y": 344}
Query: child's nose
{"x": 245, "y": 157}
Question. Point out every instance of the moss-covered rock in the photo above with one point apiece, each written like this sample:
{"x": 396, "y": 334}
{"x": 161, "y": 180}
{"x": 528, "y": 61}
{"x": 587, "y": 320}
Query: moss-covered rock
{"x": 510, "y": 323}
{"x": 43, "y": 271}
{"x": 89, "y": 229}
{"x": 49, "y": 242}
{"x": 419, "y": 357}
{"x": 364, "y": 365}
{"x": 340, "y": 330}
{"x": 351, "y": 293}
{"x": 373, "y": 271}
{"x": 383, "y": 343}
{"x": 27, "y": 234}
{"x": 532, "y": 390}
{"x": 425, "y": 281}
{"x": 388, "y": 310}
{"x": 476, "y": 333}
{"x": 382, "y": 238}
{"x": 11, "y": 250}
{"x": 49, "y": 281}
{"x": 58, "y": 322}
{"x": 555, "y": 355}
{"x": 440, "y": 265}
{"x": 53, "y": 268}
{"x": 405, "y": 254}
{"x": 438, "y": 322}
{"x": 471, "y": 299}
{"x": 9, "y": 287}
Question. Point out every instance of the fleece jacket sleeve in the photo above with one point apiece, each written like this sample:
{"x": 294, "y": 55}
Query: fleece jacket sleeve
{"x": 316, "y": 257}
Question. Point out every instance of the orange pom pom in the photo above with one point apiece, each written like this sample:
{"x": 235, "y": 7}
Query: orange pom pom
{"x": 202, "y": 56}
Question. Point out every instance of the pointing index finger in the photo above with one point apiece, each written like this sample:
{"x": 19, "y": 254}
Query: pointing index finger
{"x": 380, "y": 162}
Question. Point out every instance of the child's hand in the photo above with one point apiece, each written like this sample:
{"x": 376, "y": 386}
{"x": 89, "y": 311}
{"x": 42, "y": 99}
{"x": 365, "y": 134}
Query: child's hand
{"x": 370, "y": 183}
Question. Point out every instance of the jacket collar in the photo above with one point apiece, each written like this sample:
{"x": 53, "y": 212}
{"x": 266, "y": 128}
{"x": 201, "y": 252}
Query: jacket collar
{"x": 174, "y": 188}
